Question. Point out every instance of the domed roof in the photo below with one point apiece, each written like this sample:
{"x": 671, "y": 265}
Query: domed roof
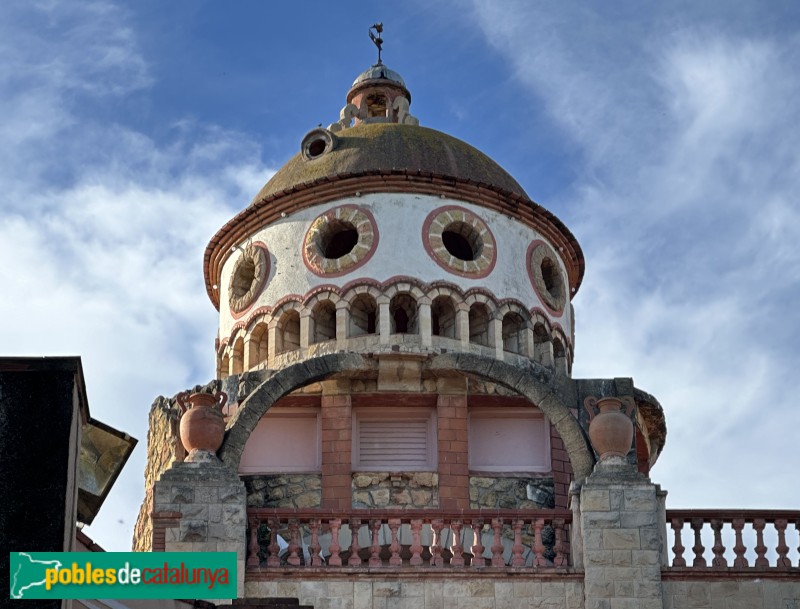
{"x": 379, "y": 71}
{"x": 380, "y": 147}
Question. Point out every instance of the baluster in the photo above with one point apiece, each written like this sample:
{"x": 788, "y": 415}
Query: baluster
{"x": 394, "y": 547}
{"x": 761, "y": 549}
{"x": 274, "y": 549}
{"x": 783, "y": 549}
{"x": 252, "y": 548}
{"x": 497, "y": 544}
{"x": 560, "y": 559}
{"x": 477, "y": 548}
{"x": 436, "y": 545}
{"x": 456, "y": 527}
{"x": 314, "y": 548}
{"x": 335, "y": 559}
{"x": 718, "y": 562}
{"x": 355, "y": 529}
{"x": 517, "y": 559}
{"x": 375, "y": 559}
{"x": 416, "y": 543}
{"x": 679, "y": 560}
{"x": 538, "y": 546}
{"x": 698, "y": 549}
{"x": 797, "y": 528}
{"x": 294, "y": 543}
{"x": 739, "y": 548}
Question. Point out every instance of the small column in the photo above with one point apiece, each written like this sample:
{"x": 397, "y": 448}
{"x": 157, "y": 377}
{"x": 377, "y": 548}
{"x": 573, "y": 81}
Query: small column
{"x": 496, "y": 336}
{"x": 462, "y": 326}
{"x": 306, "y": 329}
{"x": 341, "y": 324}
{"x": 272, "y": 341}
{"x": 250, "y": 354}
{"x": 384, "y": 319}
{"x": 425, "y": 326}
{"x": 527, "y": 348}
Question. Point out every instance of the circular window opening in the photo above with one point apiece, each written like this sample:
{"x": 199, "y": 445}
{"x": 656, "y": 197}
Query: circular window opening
{"x": 316, "y": 148}
{"x": 338, "y": 239}
{"x": 550, "y": 277}
{"x": 462, "y": 241}
{"x": 243, "y": 277}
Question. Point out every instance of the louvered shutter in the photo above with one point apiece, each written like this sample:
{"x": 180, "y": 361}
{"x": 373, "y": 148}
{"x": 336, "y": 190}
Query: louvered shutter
{"x": 394, "y": 443}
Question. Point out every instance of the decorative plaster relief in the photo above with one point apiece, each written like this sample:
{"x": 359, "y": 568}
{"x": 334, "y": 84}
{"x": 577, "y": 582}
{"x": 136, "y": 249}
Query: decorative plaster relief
{"x": 248, "y": 277}
{"x": 339, "y": 241}
{"x": 459, "y": 241}
{"x": 546, "y": 276}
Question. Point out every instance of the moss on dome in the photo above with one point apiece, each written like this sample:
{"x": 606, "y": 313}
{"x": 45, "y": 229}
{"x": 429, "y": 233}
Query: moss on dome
{"x": 371, "y": 148}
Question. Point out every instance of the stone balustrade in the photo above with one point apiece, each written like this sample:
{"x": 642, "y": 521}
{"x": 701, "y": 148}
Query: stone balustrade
{"x": 725, "y": 540}
{"x": 392, "y": 539}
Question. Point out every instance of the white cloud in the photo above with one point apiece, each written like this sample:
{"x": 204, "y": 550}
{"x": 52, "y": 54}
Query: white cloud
{"x": 685, "y": 208}
{"x": 103, "y": 229}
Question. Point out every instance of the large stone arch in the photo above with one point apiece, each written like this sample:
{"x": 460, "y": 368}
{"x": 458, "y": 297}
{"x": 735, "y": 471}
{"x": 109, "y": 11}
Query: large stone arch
{"x": 534, "y": 383}
{"x": 275, "y": 387}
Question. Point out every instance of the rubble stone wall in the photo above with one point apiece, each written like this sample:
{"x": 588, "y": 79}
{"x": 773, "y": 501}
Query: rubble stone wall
{"x": 511, "y": 493}
{"x": 396, "y": 489}
{"x": 301, "y": 491}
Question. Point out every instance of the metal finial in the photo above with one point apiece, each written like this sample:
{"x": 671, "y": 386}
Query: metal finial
{"x": 378, "y": 27}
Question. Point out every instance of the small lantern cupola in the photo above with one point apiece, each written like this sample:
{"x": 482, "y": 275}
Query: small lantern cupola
{"x": 377, "y": 95}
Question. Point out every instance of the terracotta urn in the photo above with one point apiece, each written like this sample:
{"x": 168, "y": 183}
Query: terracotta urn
{"x": 610, "y": 426}
{"x": 202, "y": 424}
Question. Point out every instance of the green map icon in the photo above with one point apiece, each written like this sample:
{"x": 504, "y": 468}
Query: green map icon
{"x": 28, "y": 572}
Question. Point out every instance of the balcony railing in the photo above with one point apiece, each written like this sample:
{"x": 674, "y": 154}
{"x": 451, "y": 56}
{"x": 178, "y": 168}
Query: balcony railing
{"x": 394, "y": 539}
{"x": 737, "y": 539}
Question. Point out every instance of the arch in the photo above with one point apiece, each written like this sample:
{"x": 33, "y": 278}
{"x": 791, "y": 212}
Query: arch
{"x": 224, "y": 365}
{"x": 443, "y": 317}
{"x": 363, "y": 315}
{"x": 323, "y": 318}
{"x": 514, "y": 336}
{"x": 403, "y": 314}
{"x": 237, "y": 356}
{"x": 259, "y": 345}
{"x": 287, "y": 332}
{"x": 480, "y": 320}
{"x": 542, "y": 345}
{"x": 403, "y": 285}
{"x": 281, "y": 383}
{"x": 535, "y": 383}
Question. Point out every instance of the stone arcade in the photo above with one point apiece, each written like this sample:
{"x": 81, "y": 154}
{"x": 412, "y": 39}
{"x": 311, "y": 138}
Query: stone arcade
{"x": 396, "y": 341}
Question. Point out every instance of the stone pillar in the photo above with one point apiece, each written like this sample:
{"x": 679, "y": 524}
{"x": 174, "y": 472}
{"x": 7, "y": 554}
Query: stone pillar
{"x": 425, "y": 324}
{"x": 451, "y": 420}
{"x": 619, "y": 512}
{"x": 250, "y": 355}
{"x": 341, "y": 325}
{"x": 462, "y": 326}
{"x": 337, "y": 439}
{"x": 384, "y": 319}
{"x": 205, "y": 502}
{"x": 496, "y": 336}
{"x": 272, "y": 342}
{"x": 306, "y": 329}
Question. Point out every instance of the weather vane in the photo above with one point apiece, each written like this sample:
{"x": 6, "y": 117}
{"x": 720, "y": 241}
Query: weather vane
{"x": 376, "y": 38}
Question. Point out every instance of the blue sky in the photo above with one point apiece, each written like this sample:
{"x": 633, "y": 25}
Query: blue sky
{"x": 665, "y": 136}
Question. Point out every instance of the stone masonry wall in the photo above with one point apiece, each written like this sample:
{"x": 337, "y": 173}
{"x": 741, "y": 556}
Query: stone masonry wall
{"x": 757, "y": 593}
{"x": 511, "y": 493}
{"x": 163, "y": 448}
{"x": 397, "y": 489}
{"x": 301, "y": 491}
{"x": 475, "y": 592}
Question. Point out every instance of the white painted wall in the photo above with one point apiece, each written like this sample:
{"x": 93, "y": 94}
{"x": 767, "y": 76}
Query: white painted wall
{"x": 399, "y": 218}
